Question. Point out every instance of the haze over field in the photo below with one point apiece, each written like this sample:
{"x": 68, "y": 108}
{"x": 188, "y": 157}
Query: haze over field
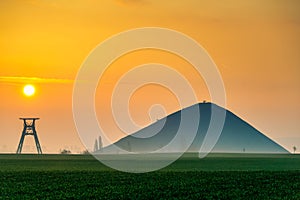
{"x": 255, "y": 45}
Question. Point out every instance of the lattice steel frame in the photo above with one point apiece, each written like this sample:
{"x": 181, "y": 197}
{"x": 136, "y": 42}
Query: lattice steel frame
{"x": 29, "y": 129}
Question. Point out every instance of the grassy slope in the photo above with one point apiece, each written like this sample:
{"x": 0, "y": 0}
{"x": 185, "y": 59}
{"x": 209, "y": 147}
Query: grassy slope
{"x": 217, "y": 176}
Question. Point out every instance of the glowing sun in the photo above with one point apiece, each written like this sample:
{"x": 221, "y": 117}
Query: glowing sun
{"x": 29, "y": 90}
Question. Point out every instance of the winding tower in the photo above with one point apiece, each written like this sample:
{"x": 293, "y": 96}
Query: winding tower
{"x": 29, "y": 129}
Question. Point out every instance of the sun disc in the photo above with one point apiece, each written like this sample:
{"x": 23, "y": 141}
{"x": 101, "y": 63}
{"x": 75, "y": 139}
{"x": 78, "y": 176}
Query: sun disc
{"x": 29, "y": 90}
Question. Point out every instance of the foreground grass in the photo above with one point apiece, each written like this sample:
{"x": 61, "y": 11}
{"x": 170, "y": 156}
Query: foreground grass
{"x": 215, "y": 177}
{"x": 156, "y": 185}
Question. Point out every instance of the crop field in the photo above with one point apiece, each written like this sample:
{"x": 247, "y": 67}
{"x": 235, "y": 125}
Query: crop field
{"x": 218, "y": 176}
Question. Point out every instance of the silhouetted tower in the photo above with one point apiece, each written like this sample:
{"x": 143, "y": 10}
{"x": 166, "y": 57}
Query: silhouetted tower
{"x": 96, "y": 147}
{"x": 29, "y": 129}
{"x": 100, "y": 146}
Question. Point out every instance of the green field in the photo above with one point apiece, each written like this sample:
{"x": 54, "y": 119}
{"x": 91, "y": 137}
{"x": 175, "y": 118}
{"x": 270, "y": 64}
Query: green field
{"x": 218, "y": 176}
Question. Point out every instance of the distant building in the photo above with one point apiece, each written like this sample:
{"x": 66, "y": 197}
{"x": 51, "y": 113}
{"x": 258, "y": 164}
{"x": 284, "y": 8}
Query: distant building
{"x": 96, "y": 147}
{"x": 100, "y": 144}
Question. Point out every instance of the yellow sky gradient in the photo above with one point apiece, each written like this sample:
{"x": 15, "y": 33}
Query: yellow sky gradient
{"x": 255, "y": 44}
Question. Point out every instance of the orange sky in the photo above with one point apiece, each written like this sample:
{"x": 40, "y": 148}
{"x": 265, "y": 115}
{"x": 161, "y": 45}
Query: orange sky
{"x": 255, "y": 44}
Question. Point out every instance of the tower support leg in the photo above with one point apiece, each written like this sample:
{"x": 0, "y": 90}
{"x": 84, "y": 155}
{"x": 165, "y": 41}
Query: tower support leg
{"x": 20, "y": 146}
{"x": 37, "y": 143}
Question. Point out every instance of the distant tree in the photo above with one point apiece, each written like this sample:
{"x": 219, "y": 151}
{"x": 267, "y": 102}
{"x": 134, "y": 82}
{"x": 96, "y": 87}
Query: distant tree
{"x": 86, "y": 152}
{"x": 294, "y": 148}
{"x": 65, "y": 151}
{"x": 244, "y": 150}
{"x": 96, "y": 147}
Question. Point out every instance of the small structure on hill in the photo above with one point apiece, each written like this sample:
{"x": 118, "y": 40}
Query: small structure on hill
{"x": 98, "y": 145}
